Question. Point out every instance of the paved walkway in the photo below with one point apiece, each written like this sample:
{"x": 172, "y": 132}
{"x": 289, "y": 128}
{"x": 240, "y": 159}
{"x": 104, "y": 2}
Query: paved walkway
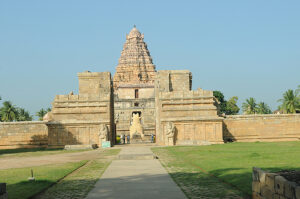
{"x": 135, "y": 175}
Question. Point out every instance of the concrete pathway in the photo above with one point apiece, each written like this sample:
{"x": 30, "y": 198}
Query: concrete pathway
{"x": 141, "y": 177}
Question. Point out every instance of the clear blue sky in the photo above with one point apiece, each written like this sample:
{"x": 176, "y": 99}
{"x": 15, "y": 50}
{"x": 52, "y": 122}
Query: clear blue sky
{"x": 242, "y": 48}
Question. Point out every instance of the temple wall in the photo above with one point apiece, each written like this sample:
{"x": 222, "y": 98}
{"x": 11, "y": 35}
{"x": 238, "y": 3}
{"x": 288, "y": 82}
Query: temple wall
{"x": 193, "y": 113}
{"x": 94, "y": 82}
{"x": 76, "y": 119}
{"x": 264, "y": 128}
{"x": 23, "y": 135}
{"x": 74, "y": 133}
{"x": 129, "y": 93}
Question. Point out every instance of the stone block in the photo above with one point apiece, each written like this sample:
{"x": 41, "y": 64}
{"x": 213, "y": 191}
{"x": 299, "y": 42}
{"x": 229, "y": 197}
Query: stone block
{"x": 270, "y": 181}
{"x": 297, "y": 192}
{"x": 4, "y": 196}
{"x": 289, "y": 189}
{"x": 262, "y": 176}
{"x": 256, "y": 186}
{"x": 256, "y": 196}
{"x": 255, "y": 175}
{"x": 2, "y": 188}
{"x": 276, "y": 196}
{"x": 266, "y": 192}
{"x": 279, "y": 184}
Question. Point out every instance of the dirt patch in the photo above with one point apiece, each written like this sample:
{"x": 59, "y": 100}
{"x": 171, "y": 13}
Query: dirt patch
{"x": 20, "y": 162}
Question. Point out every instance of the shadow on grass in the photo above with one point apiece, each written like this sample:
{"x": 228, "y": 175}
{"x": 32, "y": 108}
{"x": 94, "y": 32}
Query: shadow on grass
{"x": 23, "y": 150}
{"x": 26, "y": 189}
{"x": 193, "y": 184}
{"x": 242, "y": 180}
{"x": 137, "y": 186}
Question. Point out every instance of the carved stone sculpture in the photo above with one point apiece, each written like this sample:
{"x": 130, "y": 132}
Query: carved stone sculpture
{"x": 103, "y": 134}
{"x": 170, "y": 133}
{"x": 136, "y": 126}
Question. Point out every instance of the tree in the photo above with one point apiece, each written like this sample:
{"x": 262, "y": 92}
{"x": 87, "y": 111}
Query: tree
{"x": 231, "y": 106}
{"x": 250, "y": 106}
{"x": 41, "y": 113}
{"x": 263, "y": 108}
{"x": 23, "y": 115}
{"x": 219, "y": 95}
{"x": 290, "y": 101}
{"x": 8, "y": 112}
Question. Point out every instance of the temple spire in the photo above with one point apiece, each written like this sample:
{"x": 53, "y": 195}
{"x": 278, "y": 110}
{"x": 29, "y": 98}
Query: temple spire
{"x": 135, "y": 64}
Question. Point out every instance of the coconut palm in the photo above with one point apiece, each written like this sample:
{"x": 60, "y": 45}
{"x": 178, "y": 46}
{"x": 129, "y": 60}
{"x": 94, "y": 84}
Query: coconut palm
{"x": 41, "y": 113}
{"x": 250, "y": 106}
{"x": 263, "y": 108}
{"x": 290, "y": 101}
{"x": 8, "y": 112}
{"x": 23, "y": 115}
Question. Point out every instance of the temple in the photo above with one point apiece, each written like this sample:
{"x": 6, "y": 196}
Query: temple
{"x": 142, "y": 102}
{"x": 138, "y": 101}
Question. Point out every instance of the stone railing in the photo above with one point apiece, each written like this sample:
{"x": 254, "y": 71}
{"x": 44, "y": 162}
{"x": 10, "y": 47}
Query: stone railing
{"x": 273, "y": 185}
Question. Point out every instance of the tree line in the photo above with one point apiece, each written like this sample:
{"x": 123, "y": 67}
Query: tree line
{"x": 290, "y": 103}
{"x": 11, "y": 113}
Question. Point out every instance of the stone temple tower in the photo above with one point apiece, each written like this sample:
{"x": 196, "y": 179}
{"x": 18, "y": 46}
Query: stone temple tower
{"x": 135, "y": 64}
{"x": 133, "y": 85}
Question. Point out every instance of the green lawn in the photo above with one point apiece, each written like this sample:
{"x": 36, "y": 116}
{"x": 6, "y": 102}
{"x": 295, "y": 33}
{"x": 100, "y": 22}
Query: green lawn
{"x": 23, "y": 152}
{"x": 75, "y": 185}
{"x": 18, "y": 185}
{"x": 232, "y": 162}
{"x": 78, "y": 184}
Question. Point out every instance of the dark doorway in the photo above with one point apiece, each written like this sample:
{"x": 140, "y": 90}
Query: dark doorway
{"x": 137, "y": 112}
{"x": 136, "y": 93}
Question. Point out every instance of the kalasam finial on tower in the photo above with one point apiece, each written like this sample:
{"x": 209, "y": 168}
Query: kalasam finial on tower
{"x": 134, "y": 26}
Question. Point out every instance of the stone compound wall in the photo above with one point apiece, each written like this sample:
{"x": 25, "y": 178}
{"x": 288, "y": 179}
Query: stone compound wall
{"x": 23, "y": 135}
{"x": 193, "y": 113}
{"x": 272, "y": 185}
{"x": 264, "y": 128}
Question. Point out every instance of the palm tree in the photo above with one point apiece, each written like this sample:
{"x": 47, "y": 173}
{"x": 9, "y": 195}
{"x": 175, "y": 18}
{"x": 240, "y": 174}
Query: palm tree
{"x": 250, "y": 106}
{"x": 48, "y": 109}
{"x": 41, "y": 114}
{"x": 263, "y": 108}
{"x": 290, "y": 101}
{"x": 24, "y": 115}
{"x": 8, "y": 112}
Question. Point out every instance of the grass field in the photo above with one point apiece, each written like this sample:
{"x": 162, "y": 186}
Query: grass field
{"x": 18, "y": 185}
{"x": 233, "y": 162}
{"x": 72, "y": 185}
{"x": 22, "y": 152}
{"x": 78, "y": 184}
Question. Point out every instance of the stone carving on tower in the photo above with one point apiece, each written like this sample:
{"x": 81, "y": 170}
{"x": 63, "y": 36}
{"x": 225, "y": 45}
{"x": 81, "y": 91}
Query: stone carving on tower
{"x": 135, "y": 64}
